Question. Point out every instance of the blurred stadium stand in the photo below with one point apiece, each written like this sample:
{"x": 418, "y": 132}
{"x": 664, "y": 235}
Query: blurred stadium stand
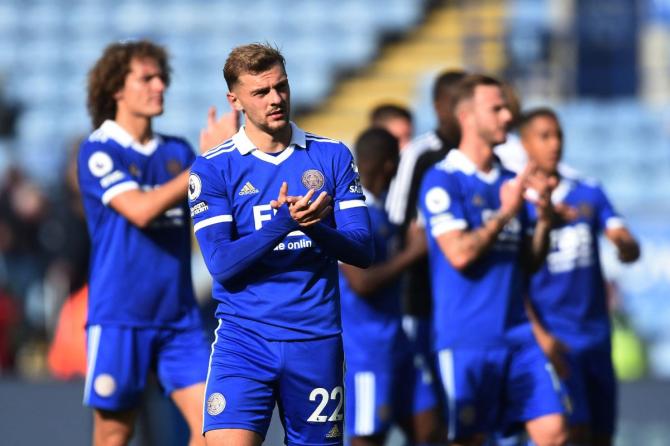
{"x": 345, "y": 57}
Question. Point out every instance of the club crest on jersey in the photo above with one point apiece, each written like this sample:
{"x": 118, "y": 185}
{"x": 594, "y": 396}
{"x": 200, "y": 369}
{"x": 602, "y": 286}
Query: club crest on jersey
{"x": 100, "y": 164}
{"x": 216, "y": 403}
{"x": 477, "y": 200}
{"x": 313, "y": 179}
{"x": 194, "y": 186}
{"x": 174, "y": 167}
{"x": 585, "y": 210}
{"x": 134, "y": 170}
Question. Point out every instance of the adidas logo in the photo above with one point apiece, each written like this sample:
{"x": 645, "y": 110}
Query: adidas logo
{"x": 248, "y": 189}
{"x": 335, "y": 432}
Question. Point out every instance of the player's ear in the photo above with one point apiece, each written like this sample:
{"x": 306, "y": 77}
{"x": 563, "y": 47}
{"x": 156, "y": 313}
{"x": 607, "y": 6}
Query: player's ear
{"x": 234, "y": 102}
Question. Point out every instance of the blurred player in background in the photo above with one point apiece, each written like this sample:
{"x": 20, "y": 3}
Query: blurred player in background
{"x": 396, "y": 119}
{"x": 568, "y": 294}
{"x": 142, "y": 314}
{"x": 422, "y": 153}
{"x": 383, "y": 384}
{"x": 492, "y": 371}
{"x": 275, "y": 208}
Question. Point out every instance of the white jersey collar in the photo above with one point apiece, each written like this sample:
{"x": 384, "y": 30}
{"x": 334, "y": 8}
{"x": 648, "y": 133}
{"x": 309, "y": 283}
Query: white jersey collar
{"x": 245, "y": 146}
{"x": 112, "y": 130}
{"x": 457, "y": 160}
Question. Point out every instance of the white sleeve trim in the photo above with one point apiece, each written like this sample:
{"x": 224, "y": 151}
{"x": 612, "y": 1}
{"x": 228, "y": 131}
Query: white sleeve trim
{"x": 615, "y": 223}
{"x": 448, "y": 226}
{"x": 351, "y": 204}
{"x": 118, "y": 189}
{"x": 212, "y": 221}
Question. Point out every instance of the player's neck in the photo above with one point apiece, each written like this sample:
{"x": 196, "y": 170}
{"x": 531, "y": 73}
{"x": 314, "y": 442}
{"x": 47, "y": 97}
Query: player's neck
{"x": 269, "y": 142}
{"x": 137, "y": 127}
{"x": 478, "y": 151}
{"x": 374, "y": 184}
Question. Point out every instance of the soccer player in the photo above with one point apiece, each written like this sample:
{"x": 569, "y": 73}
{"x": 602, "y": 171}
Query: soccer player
{"x": 568, "y": 297}
{"x": 275, "y": 208}
{"x": 492, "y": 371}
{"x": 383, "y": 385}
{"x": 396, "y": 119}
{"x": 142, "y": 314}
{"x": 421, "y": 154}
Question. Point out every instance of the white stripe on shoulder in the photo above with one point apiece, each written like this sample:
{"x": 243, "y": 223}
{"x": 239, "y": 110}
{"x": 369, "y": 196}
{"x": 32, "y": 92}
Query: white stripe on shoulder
{"x": 223, "y": 148}
{"x": 312, "y": 137}
{"x": 348, "y": 204}
{"x": 118, "y": 189}
{"x": 212, "y": 221}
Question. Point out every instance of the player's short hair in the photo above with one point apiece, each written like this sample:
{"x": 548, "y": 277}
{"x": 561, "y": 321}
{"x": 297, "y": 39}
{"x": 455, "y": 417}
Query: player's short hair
{"x": 465, "y": 89}
{"x": 385, "y": 112}
{"x": 253, "y": 58}
{"x": 376, "y": 145}
{"x": 539, "y": 112}
{"x": 445, "y": 83}
{"x": 108, "y": 75}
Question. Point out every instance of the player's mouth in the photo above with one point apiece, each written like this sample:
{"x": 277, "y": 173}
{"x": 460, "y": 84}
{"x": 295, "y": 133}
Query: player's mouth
{"x": 277, "y": 114}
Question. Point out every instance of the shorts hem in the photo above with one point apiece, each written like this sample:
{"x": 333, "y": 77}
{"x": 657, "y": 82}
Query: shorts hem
{"x": 168, "y": 391}
{"x": 233, "y": 425}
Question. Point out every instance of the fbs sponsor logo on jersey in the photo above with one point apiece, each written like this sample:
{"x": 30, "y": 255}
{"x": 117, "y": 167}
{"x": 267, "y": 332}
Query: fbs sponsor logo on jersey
{"x": 216, "y": 403}
{"x": 313, "y": 179}
{"x": 334, "y": 432}
{"x": 248, "y": 189}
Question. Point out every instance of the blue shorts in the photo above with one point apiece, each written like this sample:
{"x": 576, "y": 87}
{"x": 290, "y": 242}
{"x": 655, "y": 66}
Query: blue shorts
{"x": 592, "y": 388}
{"x": 119, "y": 359}
{"x": 488, "y": 390}
{"x": 380, "y": 395}
{"x": 249, "y": 374}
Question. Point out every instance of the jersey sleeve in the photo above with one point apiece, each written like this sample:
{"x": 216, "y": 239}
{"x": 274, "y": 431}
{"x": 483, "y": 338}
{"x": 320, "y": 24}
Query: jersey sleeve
{"x": 440, "y": 203}
{"x": 207, "y": 197}
{"x": 606, "y": 216}
{"x": 102, "y": 173}
{"x": 348, "y": 189}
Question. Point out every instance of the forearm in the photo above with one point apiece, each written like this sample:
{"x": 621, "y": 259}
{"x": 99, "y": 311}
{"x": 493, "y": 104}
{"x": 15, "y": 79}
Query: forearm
{"x": 369, "y": 281}
{"x": 538, "y": 246}
{"x": 142, "y": 207}
{"x": 351, "y": 242}
{"x": 226, "y": 258}
{"x": 469, "y": 246}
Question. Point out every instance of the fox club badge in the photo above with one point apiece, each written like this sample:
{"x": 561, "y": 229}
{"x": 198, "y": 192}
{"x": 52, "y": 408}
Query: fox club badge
{"x": 313, "y": 179}
{"x": 216, "y": 403}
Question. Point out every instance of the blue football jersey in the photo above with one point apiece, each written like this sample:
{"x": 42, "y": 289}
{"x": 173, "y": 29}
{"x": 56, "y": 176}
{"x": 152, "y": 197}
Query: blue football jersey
{"x": 291, "y": 293}
{"x": 568, "y": 292}
{"x": 372, "y": 328}
{"x": 482, "y": 305}
{"x": 138, "y": 277}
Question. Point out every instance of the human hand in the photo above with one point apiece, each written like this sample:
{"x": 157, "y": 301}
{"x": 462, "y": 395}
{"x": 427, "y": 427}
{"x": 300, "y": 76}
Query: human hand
{"x": 511, "y": 194}
{"x": 217, "y": 131}
{"x": 281, "y": 198}
{"x": 539, "y": 187}
{"x": 306, "y": 212}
